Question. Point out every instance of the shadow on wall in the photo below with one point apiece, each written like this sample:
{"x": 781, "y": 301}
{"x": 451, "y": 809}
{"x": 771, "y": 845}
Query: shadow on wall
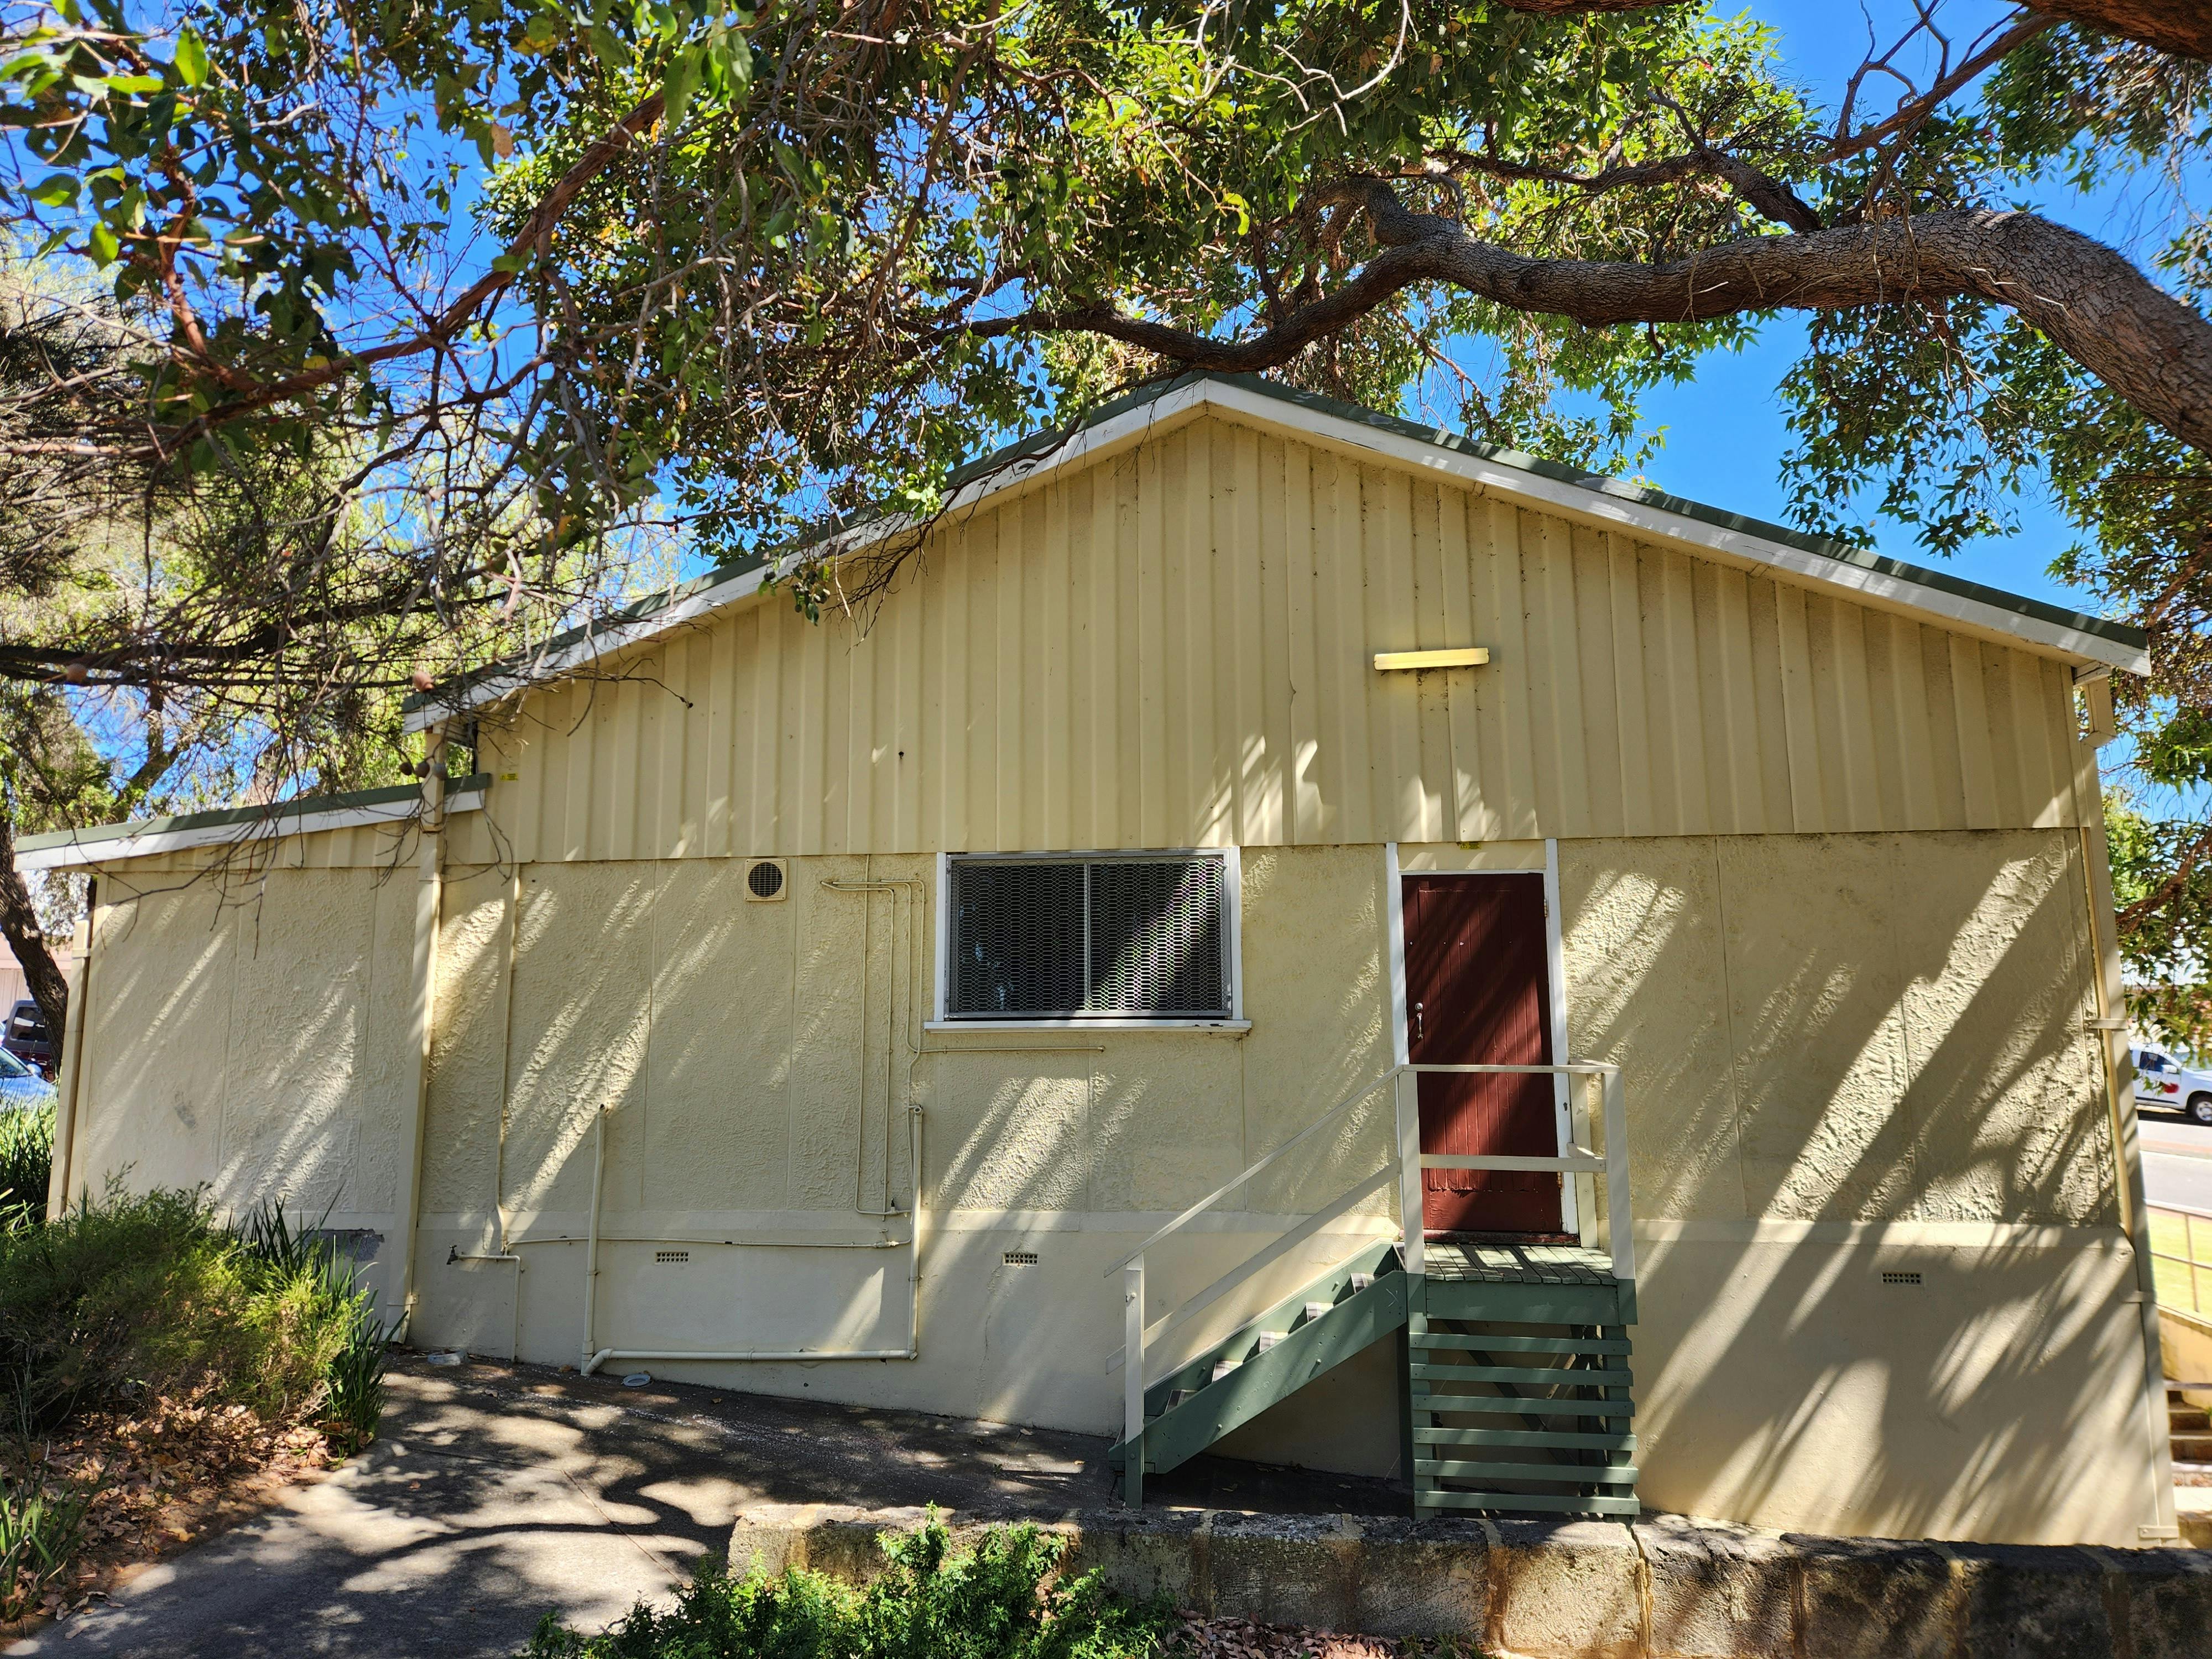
{"x": 248, "y": 1046}
{"x": 1798, "y": 1362}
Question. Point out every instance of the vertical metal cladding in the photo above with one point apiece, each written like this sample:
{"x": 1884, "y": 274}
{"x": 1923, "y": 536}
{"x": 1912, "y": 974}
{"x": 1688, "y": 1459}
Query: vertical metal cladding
{"x": 1172, "y": 646}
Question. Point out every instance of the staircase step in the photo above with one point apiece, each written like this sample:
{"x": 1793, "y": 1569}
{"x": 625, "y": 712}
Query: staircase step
{"x": 1526, "y": 1375}
{"x": 1485, "y": 1343}
{"x": 1594, "y": 1475}
{"x": 2192, "y": 1448}
{"x": 2187, "y": 1419}
{"x": 1548, "y": 1502}
{"x": 1221, "y": 1369}
{"x": 1268, "y": 1339}
{"x": 1425, "y": 1400}
{"x": 1335, "y": 1287}
{"x": 1315, "y": 1309}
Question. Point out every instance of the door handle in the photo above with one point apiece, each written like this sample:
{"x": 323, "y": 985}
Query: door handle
{"x": 1420, "y": 1026}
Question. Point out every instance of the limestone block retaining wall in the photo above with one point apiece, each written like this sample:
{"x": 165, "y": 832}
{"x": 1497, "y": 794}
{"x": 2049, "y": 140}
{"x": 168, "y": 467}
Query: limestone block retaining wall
{"x": 1664, "y": 1588}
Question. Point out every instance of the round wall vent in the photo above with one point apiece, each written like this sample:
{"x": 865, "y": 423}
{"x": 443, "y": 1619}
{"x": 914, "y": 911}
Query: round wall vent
{"x": 765, "y": 880}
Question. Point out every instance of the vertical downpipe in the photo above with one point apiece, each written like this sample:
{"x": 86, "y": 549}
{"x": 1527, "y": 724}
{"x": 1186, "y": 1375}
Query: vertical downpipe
{"x": 590, "y": 1362}
{"x": 429, "y": 875}
{"x": 58, "y": 1183}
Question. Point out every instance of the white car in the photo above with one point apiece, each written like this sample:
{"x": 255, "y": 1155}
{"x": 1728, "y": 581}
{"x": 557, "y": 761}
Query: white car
{"x": 2171, "y": 1087}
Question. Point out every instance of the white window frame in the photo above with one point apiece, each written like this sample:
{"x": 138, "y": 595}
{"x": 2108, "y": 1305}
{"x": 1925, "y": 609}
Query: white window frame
{"x": 1233, "y": 900}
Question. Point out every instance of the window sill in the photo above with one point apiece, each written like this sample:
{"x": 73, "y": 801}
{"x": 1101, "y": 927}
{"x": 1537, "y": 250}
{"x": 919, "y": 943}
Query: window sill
{"x": 1235, "y": 1028}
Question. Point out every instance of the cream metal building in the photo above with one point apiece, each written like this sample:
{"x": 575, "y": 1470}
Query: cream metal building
{"x": 711, "y": 1017}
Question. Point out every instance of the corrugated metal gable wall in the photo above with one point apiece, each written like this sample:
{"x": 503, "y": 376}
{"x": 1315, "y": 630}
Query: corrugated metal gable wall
{"x": 1172, "y": 647}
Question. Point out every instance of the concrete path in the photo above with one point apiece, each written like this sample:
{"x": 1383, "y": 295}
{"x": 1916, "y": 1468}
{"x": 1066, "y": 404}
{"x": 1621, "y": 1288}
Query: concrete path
{"x": 495, "y": 1494}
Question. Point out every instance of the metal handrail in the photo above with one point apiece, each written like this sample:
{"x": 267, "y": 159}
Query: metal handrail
{"x": 1237, "y": 1180}
{"x": 1410, "y": 1161}
{"x": 2191, "y": 1262}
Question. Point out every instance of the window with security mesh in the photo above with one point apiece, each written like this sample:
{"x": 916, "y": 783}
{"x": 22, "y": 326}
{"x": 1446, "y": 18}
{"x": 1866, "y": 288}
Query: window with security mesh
{"x": 1123, "y": 938}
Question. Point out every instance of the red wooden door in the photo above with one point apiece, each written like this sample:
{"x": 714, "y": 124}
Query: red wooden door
{"x": 1478, "y": 992}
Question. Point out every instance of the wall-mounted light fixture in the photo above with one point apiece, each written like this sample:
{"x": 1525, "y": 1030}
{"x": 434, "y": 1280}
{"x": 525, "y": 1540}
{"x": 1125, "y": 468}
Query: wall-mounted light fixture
{"x": 1469, "y": 656}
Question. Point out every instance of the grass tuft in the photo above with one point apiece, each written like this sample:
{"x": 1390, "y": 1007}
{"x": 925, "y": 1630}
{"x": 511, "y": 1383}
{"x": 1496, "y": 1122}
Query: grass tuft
{"x": 1002, "y": 1600}
{"x": 27, "y": 1164}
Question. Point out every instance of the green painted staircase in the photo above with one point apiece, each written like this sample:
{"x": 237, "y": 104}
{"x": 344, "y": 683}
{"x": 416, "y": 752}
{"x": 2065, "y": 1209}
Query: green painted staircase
{"x": 1355, "y": 1304}
{"x": 1515, "y": 1386}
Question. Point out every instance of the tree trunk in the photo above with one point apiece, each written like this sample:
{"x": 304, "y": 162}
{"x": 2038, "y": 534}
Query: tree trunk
{"x": 19, "y": 924}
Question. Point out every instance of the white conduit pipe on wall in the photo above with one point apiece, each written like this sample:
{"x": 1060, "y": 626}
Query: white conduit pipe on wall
{"x": 592, "y": 1360}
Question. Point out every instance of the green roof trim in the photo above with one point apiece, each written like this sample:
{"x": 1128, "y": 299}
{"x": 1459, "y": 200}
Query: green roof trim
{"x": 220, "y": 817}
{"x": 1043, "y": 442}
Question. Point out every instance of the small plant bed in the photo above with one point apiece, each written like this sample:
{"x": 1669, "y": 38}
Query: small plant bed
{"x": 163, "y": 1371}
{"x": 1005, "y": 1599}
{"x": 152, "y": 1483}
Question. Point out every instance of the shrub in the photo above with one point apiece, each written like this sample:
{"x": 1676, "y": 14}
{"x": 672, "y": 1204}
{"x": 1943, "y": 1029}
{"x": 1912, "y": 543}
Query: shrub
{"x": 27, "y": 1164}
{"x": 1001, "y": 1602}
{"x": 151, "y": 1292}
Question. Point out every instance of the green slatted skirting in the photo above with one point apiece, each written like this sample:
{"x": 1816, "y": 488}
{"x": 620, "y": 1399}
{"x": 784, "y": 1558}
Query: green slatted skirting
{"x": 1519, "y": 1384}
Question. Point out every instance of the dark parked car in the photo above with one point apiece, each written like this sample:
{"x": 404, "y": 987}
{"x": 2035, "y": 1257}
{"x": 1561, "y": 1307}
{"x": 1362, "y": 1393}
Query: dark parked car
{"x": 22, "y": 1088}
{"x": 26, "y": 1037}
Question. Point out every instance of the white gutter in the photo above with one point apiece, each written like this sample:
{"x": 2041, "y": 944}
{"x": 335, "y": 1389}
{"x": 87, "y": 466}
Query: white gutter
{"x": 281, "y": 823}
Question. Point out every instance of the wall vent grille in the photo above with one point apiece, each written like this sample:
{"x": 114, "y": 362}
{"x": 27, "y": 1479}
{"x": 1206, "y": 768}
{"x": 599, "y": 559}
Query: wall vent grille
{"x": 1021, "y": 1258}
{"x": 1900, "y": 1279}
{"x": 765, "y": 880}
{"x": 672, "y": 1255}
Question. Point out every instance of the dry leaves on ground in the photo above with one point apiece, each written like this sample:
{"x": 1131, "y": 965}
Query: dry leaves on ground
{"x": 1246, "y": 1638}
{"x": 166, "y": 1476}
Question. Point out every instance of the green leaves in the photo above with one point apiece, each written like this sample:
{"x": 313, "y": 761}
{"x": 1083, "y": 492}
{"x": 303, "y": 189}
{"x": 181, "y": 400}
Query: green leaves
{"x": 191, "y": 59}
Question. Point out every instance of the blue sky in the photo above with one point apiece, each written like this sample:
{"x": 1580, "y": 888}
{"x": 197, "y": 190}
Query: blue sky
{"x": 1725, "y": 436}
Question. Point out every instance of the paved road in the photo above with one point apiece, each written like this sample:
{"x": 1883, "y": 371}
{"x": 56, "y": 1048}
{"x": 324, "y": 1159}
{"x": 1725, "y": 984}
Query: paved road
{"x": 496, "y": 1492}
{"x": 2177, "y": 1171}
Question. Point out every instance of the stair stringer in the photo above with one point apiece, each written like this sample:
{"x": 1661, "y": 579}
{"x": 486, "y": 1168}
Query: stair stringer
{"x": 1309, "y": 1349}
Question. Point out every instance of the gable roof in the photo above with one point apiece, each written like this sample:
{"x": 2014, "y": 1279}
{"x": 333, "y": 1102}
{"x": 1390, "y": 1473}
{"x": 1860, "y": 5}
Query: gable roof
{"x": 2091, "y": 642}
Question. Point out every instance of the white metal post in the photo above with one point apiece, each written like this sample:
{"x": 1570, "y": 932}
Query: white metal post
{"x": 1133, "y": 1383}
{"x": 1408, "y": 1101}
{"x": 1620, "y": 1219}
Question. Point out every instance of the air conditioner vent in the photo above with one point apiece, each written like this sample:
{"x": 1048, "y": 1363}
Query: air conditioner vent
{"x": 765, "y": 880}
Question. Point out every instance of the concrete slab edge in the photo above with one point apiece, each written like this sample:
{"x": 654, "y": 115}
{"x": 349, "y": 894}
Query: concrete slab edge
{"x": 1662, "y": 1587}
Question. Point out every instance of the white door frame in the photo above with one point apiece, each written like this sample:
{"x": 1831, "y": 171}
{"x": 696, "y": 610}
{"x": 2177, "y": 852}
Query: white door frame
{"x": 1555, "y": 962}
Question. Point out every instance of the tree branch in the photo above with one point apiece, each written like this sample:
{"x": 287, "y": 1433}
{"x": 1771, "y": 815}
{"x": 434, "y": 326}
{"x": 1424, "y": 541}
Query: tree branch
{"x": 2093, "y": 305}
{"x": 2183, "y": 27}
{"x": 466, "y": 307}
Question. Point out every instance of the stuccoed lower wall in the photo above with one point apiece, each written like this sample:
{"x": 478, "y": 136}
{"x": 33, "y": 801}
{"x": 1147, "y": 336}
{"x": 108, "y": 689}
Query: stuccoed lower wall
{"x": 253, "y": 1042}
{"x": 1844, "y": 1055}
{"x": 757, "y": 1061}
{"x": 1848, "y": 1056}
